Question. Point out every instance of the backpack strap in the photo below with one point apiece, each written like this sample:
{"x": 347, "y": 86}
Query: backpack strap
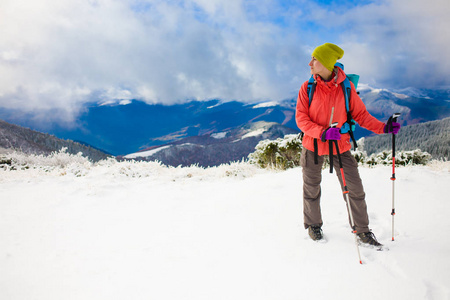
{"x": 311, "y": 88}
{"x": 312, "y": 83}
{"x": 349, "y": 126}
{"x": 347, "y": 89}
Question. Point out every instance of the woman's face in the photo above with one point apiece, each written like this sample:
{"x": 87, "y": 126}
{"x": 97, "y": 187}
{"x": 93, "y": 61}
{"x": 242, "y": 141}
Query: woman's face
{"x": 317, "y": 68}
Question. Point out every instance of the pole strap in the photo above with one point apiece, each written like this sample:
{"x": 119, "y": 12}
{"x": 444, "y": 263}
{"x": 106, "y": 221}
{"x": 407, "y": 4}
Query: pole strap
{"x": 316, "y": 152}
{"x": 330, "y": 143}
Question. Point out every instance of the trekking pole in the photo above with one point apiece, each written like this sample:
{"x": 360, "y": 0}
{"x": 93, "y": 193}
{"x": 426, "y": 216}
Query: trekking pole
{"x": 345, "y": 192}
{"x": 393, "y": 118}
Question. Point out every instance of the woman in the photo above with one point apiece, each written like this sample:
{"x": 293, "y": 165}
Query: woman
{"x": 314, "y": 120}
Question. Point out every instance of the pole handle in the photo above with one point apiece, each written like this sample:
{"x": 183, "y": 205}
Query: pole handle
{"x": 395, "y": 116}
{"x": 392, "y": 119}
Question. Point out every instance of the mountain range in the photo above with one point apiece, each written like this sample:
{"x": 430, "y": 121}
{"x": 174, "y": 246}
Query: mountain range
{"x": 25, "y": 140}
{"x": 128, "y": 127}
{"x": 216, "y": 148}
{"x": 122, "y": 129}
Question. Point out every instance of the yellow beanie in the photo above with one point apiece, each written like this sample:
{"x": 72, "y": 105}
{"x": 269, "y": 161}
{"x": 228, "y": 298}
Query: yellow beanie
{"x": 328, "y": 54}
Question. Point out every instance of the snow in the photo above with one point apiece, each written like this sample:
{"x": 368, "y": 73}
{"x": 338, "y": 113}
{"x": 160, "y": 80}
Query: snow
{"x": 108, "y": 102}
{"x": 252, "y": 133}
{"x": 117, "y": 101}
{"x": 216, "y": 105}
{"x": 145, "y": 153}
{"x": 219, "y": 135}
{"x": 266, "y": 104}
{"x": 133, "y": 230}
{"x": 413, "y": 92}
{"x": 151, "y": 152}
{"x": 400, "y": 96}
{"x": 190, "y": 145}
{"x": 125, "y": 102}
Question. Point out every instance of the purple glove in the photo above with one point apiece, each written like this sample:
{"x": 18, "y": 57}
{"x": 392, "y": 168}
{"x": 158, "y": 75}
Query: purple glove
{"x": 331, "y": 133}
{"x": 392, "y": 127}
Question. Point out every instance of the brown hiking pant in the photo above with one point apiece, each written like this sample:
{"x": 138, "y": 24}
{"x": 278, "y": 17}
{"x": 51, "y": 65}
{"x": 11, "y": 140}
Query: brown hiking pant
{"x": 312, "y": 176}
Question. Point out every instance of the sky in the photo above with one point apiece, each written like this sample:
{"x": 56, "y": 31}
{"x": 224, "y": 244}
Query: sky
{"x": 58, "y": 56}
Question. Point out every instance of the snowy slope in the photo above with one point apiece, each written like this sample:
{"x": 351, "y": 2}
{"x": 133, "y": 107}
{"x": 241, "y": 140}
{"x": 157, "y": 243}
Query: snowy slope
{"x": 143, "y": 231}
{"x": 214, "y": 149}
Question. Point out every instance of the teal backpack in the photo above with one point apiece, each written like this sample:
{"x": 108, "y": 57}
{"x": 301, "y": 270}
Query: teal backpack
{"x": 349, "y": 125}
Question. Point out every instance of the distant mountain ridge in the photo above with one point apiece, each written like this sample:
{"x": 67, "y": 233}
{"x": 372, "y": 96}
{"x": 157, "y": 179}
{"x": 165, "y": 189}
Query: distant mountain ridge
{"x": 123, "y": 129}
{"x": 216, "y": 148}
{"x": 14, "y": 137}
{"x": 130, "y": 126}
{"x": 416, "y": 106}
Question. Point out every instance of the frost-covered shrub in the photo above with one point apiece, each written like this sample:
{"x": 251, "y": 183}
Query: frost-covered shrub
{"x": 360, "y": 156}
{"x": 415, "y": 157}
{"x": 402, "y": 158}
{"x": 76, "y": 164}
{"x": 282, "y": 153}
{"x": 63, "y": 164}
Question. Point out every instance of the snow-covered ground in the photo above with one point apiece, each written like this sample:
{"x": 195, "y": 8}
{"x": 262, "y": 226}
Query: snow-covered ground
{"x": 143, "y": 231}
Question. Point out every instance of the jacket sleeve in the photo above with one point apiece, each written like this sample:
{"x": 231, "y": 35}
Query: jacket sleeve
{"x": 362, "y": 116}
{"x": 302, "y": 116}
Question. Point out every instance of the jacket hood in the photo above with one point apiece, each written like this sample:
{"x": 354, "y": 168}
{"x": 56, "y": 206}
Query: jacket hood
{"x": 339, "y": 76}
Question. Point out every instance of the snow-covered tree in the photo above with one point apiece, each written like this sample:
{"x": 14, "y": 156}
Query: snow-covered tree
{"x": 282, "y": 153}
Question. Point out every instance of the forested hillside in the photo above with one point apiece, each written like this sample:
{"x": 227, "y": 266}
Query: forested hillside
{"x": 432, "y": 137}
{"x": 28, "y": 141}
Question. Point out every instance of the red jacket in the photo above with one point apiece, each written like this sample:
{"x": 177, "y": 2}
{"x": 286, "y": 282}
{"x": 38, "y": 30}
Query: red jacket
{"x": 315, "y": 119}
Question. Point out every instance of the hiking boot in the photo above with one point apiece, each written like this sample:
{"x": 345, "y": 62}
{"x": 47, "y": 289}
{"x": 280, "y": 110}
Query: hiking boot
{"x": 368, "y": 238}
{"x": 315, "y": 232}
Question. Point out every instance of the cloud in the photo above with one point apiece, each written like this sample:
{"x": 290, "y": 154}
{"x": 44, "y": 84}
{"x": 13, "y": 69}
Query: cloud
{"x": 400, "y": 43}
{"x": 60, "y": 55}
